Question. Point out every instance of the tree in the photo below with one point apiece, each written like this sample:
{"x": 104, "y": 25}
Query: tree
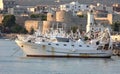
{"x": 116, "y": 26}
{"x": 23, "y": 30}
{"x": 31, "y": 30}
{"x": 74, "y": 28}
{"x": 43, "y": 17}
{"x": 10, "y": 26}
{"x": 18, "y": 29}
{"x": 80, "y": 16}
{"x": 9, "y": 21}
{"x": 34, "y": 15}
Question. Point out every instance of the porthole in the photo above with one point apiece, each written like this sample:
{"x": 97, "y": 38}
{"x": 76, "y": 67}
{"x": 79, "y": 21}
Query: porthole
{"x": 88, "y": 46}
{"x": 65, "y": 44}
{"x": 57, "y": 44}
{"x": 72, "y": 45}
{"x": 49, "y": 44}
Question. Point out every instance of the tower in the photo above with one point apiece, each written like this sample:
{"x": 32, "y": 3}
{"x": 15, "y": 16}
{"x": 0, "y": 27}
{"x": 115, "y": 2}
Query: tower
{"x": 90, "y": 21}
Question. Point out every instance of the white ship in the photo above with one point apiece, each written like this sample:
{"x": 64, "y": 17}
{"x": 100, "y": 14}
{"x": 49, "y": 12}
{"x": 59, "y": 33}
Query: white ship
{"x": 40, "y": 47}
{"x": 63, "y": 49}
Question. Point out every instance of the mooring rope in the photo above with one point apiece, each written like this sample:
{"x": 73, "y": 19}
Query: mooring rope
{"x": 16, "y": 50}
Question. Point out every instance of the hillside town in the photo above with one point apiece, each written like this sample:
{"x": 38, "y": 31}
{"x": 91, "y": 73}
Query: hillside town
{"x": 15, "y": 18}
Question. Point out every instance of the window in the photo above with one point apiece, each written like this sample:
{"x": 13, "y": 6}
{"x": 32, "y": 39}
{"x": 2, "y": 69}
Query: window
{"x": 43, "y": 40}
{"x": 67, "y": 6}
{"x": 65, "y": 44}
{"x": 87, "y": 6}
{"x": 72, "y": 45}
{"x": 75, "y": 11}
{"x": 51, "y": 15}
{"x": 99, "y": 29}
{"x": 92, "y": 28}
{"x": 57, "y": 44}
{"x": 49, "y": 44}
{"x": 88, "y": 46}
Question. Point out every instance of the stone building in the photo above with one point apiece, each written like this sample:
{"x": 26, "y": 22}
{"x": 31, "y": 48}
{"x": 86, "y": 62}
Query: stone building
{"x": 63, "y": 19}
{"x": 20, "y": 20}
{"x": 74, "y": 7}
{"x": 56, "y": 20}
{"x": 108, "y": 19}
{"x": 32, "y": 24}
{"x": 46, "y": 26}
{"x": 1, "y": 18}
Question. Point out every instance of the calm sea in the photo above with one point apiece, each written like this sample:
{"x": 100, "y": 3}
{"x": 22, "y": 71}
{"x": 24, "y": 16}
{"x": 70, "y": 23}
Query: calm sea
{"x": 13, "y": 61}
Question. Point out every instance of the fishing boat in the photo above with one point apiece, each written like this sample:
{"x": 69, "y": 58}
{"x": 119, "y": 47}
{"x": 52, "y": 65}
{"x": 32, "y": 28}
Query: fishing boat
{"x": 62, "y": 49}
{"x": 78, "y": 48}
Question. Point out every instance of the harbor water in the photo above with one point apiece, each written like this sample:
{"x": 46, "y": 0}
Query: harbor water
{"x": 14, "y": 61}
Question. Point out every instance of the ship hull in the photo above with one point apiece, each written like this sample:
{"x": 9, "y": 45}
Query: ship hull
{"x": 41, "y": 50}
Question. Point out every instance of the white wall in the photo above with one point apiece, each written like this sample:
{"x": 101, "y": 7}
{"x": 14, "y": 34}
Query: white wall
{"x": 1, "y": 4}
{"x": 74, "y": 7}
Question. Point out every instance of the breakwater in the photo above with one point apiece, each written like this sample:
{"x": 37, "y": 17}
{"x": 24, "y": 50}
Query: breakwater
{"x": 11, "y": 36}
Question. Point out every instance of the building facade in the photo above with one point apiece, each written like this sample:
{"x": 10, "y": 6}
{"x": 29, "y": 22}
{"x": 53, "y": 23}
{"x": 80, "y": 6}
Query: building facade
{"x": 101, "y": 7}
{"x": 18, "y": 10}
{"x": 32, "y": 25}
{"x": 5, "y": 4}
{"x": 74, "y": 7}
{"x": 116, "y": 7}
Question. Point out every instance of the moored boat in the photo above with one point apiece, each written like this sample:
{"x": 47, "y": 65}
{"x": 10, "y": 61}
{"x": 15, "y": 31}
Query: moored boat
{"x": 62, "y": 49}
